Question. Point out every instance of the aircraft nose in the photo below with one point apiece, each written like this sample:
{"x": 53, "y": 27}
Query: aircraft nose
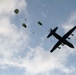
{"x": 72, "y": 46}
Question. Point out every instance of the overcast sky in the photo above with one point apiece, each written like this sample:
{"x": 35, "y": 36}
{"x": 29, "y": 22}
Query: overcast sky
{"x": 25, "y": 53}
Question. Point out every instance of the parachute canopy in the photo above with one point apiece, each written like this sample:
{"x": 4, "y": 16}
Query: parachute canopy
{"x": 16, "y": 11}
{"x": 24, "y": 25}
{"x": 39, "y": 23}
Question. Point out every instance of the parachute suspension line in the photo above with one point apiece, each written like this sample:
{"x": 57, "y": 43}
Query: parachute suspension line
{"x": 46, "y": 28}
{"x": 42, "y": 25}
{"x": 32, "y": 31}
{"x": 25, "y": 26}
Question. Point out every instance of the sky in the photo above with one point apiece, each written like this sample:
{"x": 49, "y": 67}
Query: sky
{"x": 25, "y": 53}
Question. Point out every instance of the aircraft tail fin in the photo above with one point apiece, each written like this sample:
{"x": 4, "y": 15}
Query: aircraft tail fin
{"x": 52, "y": 32}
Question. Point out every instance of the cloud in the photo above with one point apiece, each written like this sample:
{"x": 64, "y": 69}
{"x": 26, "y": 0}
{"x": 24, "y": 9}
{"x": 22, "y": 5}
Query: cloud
{"x": 40, "y": 61}
{"x": 14, "y": 42}
{"x": 12, "y": 38}
{"x": 7, "y": 7}
{"x": 70, "y": 23}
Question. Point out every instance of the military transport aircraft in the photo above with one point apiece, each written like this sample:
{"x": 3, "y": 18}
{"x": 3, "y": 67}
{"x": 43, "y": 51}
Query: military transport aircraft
{"x": 62, "y": 40}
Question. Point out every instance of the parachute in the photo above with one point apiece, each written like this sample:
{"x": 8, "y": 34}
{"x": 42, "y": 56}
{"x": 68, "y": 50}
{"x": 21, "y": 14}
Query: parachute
{"x": 42, "y": 25}
{"x": 24, "y": 25}
{"x": 39, "y": 23}
{"x": 16, "y": 11}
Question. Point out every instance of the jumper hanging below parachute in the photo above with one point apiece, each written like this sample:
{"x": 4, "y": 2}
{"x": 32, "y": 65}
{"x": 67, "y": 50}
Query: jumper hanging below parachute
{"x": 42, "y": 25}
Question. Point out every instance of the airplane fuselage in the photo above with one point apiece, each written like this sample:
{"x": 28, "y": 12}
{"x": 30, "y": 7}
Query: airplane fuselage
{"x": 62, "y": 40}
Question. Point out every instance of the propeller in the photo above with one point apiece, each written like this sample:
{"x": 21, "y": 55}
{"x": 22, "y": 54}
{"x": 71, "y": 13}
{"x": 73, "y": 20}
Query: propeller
{"x": 59, "y": 47}
{"x": 69, "y": 38}
{"x": 62, "y": 44}
{"x": 72, "y": 34}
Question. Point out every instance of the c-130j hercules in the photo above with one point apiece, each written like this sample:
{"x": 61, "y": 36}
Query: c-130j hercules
{"x": 61, "y": 40}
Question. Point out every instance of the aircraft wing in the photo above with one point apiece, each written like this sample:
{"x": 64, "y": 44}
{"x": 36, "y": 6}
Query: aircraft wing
{"x": 56, "y": 45}
{"x": 69, "y": 32}
{"x": 49, "y": 35}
